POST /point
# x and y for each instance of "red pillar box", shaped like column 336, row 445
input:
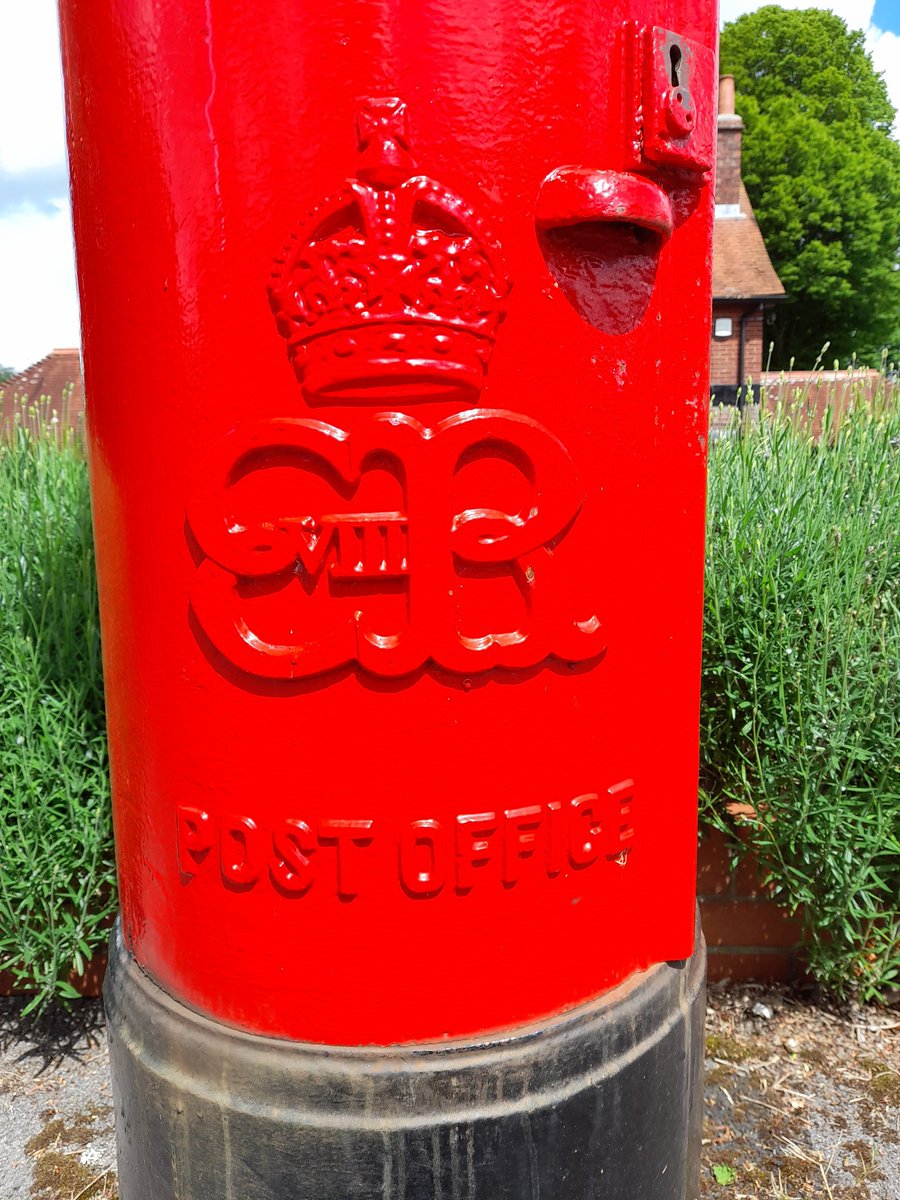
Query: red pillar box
column 396, row 336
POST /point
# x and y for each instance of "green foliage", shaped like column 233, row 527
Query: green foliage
column 801, row 676
column 823, row 174
column 56, row 862
column 800, row 684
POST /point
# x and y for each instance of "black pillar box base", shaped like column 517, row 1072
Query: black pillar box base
column 602, row 1103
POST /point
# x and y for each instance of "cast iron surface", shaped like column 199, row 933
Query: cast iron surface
column 400, row 537
column 603, row 1102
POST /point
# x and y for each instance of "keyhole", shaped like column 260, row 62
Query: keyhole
column 675, row 59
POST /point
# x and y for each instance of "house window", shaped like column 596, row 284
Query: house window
column 723, row 327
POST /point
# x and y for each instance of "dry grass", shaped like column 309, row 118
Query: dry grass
column 802, row 1105
column 60, row 1170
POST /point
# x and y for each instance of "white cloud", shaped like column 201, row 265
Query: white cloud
column 38, row 299
column 32, row 126
column 884, row 47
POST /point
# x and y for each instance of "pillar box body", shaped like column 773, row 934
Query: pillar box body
column 395, row 344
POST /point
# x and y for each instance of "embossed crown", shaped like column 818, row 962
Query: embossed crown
column 393, row 285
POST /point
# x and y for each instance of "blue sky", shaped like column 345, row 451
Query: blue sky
column 887, row 14
column 38, row 302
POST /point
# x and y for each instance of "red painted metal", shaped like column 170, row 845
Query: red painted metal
column 402, row 626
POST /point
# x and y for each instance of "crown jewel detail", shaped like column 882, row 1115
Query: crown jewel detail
column 393, row 285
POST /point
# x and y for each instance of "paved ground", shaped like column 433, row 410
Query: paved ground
column 802, row 1102
column 56, row 1138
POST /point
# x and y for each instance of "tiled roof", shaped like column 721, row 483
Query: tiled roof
column 56, row 377
column 742, row 269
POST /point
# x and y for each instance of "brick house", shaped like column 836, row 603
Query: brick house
column 744, row 280
column 54, row 383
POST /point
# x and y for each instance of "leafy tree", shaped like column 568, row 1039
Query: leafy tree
column 6, row 373
column 823, row 173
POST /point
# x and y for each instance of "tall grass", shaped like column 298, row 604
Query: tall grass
column 56, row 860
column 801, row 690
column 801, row 676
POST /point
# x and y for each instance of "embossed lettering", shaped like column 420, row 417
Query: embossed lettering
column 621, row 824
column 426, row 547
column 520, row 838
column 239, row 851
column 556, row 837
column 424, row 854
column 473, row 845
column 470, row 850
column 348, row 837
column 584, row 830
column 195, row 837
column 291, row 866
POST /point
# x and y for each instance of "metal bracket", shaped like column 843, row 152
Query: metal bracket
column 670, row 89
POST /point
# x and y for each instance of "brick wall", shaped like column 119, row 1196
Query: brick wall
column 809, row 395
column 730, row 133
column 90, row 983
column 725, row 352
column 748, row 936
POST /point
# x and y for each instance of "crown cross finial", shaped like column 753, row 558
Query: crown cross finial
column 382, row 130
column 393, row 288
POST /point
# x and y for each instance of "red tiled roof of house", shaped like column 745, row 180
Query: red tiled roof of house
column 742, row 269
column 56, row 378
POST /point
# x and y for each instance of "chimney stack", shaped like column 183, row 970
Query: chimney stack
column 729, row 138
